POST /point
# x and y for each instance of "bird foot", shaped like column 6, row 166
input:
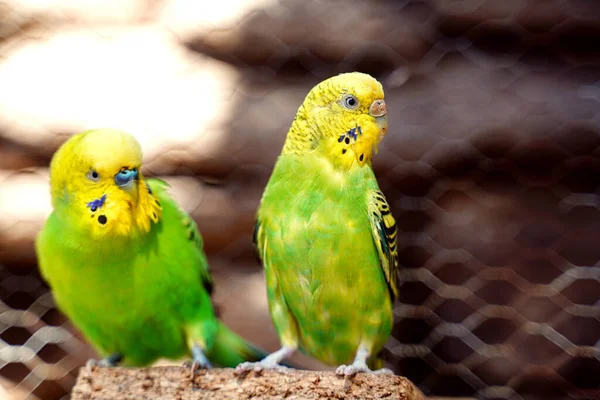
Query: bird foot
column 91, row 363
column 269, row 362
column 198, row 362
column 109, row 361
column 353, row 369
column 196, row 366
column 259, row 366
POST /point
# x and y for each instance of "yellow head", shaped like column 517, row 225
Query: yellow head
column 343, row 117
column 96, row 183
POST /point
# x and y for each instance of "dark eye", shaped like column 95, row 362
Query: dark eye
column 93, row 175
column 350, row 102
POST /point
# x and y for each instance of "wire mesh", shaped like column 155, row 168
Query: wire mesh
column 491, row 167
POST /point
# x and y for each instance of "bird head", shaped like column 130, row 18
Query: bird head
column 96, row 182
column 344, row 117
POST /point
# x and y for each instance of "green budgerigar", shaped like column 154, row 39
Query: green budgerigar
column 125, row 263
column 325, row 233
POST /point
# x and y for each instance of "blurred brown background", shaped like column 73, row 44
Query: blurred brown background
column 491, row 166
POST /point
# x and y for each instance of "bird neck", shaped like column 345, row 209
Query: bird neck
column 345, row 147
column 301, row 137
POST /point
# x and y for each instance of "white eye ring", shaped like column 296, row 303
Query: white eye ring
column 350, row 102
column 93, row 176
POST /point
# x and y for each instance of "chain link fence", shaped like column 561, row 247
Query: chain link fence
column 491, row 166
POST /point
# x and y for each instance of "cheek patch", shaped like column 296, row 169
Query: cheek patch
column 97, row 204
column 351, row 134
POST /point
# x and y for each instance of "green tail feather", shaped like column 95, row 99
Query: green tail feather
column 230, row 349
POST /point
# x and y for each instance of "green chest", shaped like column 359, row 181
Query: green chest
column 321, row 249
column 120, row 308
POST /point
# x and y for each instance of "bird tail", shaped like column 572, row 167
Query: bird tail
column 230, row 349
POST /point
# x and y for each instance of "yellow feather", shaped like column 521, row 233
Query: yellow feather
column 105, row 151
column 322, row 121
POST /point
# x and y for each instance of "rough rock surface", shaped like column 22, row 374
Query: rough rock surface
column 177, row 383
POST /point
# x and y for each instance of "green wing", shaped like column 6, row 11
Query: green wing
column 192, row 234
column 259, row 243
column 383, row 227
column 255, row 239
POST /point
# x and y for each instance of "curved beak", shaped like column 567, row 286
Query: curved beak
column 378, row 109
column 126, row 178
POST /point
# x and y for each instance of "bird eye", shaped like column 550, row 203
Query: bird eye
column 93, row 175
column 350, row 102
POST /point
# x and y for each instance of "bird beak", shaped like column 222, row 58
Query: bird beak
column 378, row 109
column 126, row 179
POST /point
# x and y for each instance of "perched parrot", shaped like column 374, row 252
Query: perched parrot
column 125, row 263
column 325, row 233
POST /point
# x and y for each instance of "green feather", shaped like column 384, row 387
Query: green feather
column 323, row 255
column 146, row 299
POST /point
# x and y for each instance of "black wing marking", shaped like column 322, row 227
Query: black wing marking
column 383, row 226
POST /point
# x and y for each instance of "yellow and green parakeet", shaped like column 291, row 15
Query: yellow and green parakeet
column 325, row 233
column 125, row 263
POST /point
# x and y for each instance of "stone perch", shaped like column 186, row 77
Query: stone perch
column 164, row 383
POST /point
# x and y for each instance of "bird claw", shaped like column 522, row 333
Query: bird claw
column 196, row 366
column 90, row 364
column 383, row 371
column 199, row 360
column 269, row 362
column 353, row 369
column 259, row 366
column 105, row 362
